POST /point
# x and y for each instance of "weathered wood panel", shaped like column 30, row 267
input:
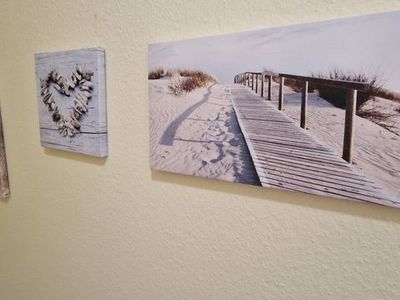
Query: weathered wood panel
column 287, row 157
column 80, row 143
column 92, row 140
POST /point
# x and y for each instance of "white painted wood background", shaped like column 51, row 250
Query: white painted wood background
column 92, row 140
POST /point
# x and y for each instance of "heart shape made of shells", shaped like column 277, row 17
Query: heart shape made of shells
column 80, row 78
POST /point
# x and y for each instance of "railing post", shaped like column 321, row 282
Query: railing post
column 351, row 100
column 262, row 85
column 256, row 83
column 269, row 87
column 281, row 85
column 304, row 98
column 252, row 81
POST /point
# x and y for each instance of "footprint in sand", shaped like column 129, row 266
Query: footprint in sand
column 234, row 142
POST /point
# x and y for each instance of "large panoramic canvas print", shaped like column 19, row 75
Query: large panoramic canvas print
column 312, row 108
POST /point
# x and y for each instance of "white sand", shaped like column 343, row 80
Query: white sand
column 376, row 150
column 197, row 134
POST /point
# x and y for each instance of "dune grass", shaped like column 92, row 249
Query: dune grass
column 156, row 74
column 388, row 94
column 186, row 81
column 182, row 80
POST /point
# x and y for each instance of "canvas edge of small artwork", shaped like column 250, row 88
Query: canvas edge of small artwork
column 4, row 180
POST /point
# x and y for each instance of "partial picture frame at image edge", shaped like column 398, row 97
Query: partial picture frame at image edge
column 311, row 108
column 4, row 182
column 71, row 97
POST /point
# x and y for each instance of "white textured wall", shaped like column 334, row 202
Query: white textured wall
column 83, row 228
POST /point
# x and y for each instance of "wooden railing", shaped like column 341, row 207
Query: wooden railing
column 251, row 80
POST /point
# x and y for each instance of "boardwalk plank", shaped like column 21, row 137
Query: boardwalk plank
column 316, row 168
column 350, row 177
column 287, row 157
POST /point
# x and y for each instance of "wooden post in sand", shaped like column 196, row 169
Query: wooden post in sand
column 252, row 81
column 269, row 87
column 256, row 83
column 281, row 85
column 304, row 98
column 351, row 100
column 262, row 85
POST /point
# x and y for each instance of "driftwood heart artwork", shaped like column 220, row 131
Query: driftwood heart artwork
column 81, row 79
column 71, row 100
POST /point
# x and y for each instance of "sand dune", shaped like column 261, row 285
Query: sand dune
column 197, row 134
column 388, row 107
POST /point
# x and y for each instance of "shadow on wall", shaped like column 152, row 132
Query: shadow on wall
column 341, row 206
column 99, row 161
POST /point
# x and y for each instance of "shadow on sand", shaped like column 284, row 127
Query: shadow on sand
column 168, row 136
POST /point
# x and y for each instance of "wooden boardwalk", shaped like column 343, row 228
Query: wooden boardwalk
column 287, row 157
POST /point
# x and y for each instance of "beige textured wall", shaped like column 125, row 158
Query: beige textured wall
column 83, row 228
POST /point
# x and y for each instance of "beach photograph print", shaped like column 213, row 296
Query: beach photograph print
column 72, row 101
column 4, row 185
column 312, row 108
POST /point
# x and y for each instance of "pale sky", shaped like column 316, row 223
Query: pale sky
column 369, row 44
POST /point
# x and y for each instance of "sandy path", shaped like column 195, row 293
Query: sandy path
column 376, row 150
column 197, row 134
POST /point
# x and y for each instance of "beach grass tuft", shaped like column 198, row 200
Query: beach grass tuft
column 157, row 73
column 186, row 81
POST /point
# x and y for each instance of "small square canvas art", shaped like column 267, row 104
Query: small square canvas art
column 4, row 186
column 311, row 108
column 72, row 100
